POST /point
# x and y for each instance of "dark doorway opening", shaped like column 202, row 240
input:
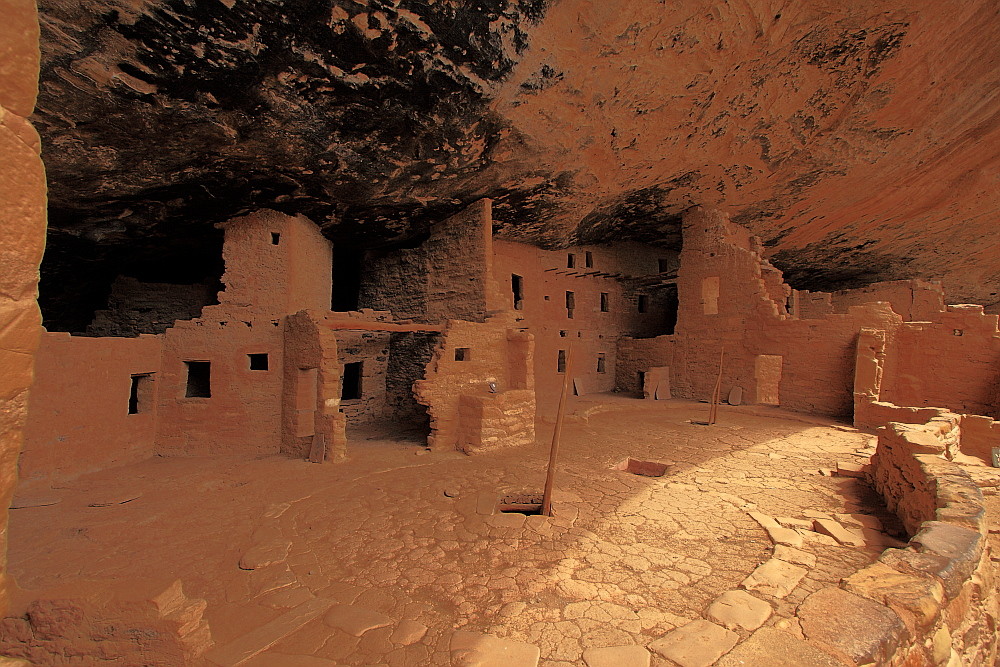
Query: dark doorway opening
column 199, row 379
column 670, row 305
column 351, row 384
column 517, row 288
column 346, row 277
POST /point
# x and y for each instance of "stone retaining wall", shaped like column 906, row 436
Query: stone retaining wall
column 933, row 602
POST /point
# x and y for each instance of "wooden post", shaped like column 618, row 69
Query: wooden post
column 556, row 434
column 713, row 411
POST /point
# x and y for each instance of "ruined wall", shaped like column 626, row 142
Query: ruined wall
column 135, row 307
column 409, row 355
column 445, row 278
column 914, row 300
column 620, row 272
column 371, row 350
column 469, row 356
column 78, row 419
column 22, row 238
column 311, row 391
column 953, row 363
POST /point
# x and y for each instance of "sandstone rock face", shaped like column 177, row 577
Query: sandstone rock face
column 827, row 128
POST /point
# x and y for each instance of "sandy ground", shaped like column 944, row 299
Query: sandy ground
column 407, row 537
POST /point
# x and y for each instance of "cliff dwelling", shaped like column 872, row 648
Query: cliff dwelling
column 533, row 333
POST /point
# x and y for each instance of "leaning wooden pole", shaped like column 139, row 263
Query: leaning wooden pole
column 713, row 412
column 550, row 476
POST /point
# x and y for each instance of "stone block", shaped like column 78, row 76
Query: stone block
column 775, row 578
column 919, row 596
column 696, row 644
column 617, row 656
column 838, row 532
column 770, row 647
column 739, row 609
column 854, row 628
column 470, row 649
column 963, row 547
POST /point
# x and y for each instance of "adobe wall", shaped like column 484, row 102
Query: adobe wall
column 135, row 307
column 79, row 420
column 22, row 239
column 276, row 265
column 494, row 352
column 409, row 355
column 953, row 362
column 310, row 402
column 915, row 300
column 616, row 270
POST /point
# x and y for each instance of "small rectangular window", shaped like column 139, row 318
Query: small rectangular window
column 570, row 304
column 140, row 393
column 570, row 261
column 462, row 354
column 517, row 290
column 561, row 362
column 258, row 362
column 663, row 265
column 600, row 362
column 275, row 238
column 562, row 333
column 351, row 383
column 605, row 300
column 199, row 379
column 588, row 259
column 642, row 303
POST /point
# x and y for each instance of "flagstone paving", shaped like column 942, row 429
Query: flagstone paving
column 396, row 559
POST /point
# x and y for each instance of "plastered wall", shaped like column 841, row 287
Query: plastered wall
column 22, row 239
column 79, row 417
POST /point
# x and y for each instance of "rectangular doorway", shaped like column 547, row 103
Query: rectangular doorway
column 351, row 383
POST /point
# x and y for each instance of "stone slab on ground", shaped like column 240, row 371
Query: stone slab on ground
column 792, row 555
column 739, row 609
column 408, row 632
column 770, row 647
column 854, row 627
column 257, row 641
column 778, row 533
column 698, row 644
column 472, row 649
column 355, row 620
column 843, row 535
column 617, row 656
column 775, row 578
column 284, row 660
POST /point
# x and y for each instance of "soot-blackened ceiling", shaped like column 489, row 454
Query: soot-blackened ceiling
column 858, row 138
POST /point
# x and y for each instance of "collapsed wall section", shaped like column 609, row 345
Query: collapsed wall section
column 136, row 307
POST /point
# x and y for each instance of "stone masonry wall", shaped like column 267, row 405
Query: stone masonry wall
column 22, row 239
column 135, row 307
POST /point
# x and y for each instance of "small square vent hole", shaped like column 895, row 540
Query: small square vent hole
column 520, row 503
column 644, row 468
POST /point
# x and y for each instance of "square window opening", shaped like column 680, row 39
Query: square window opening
column 199, row 379
column 258, row 362
column 275, row 238
column 663, row 265
column 642, row 303
column 351, row 382
column 605, row 302
column 588, row 259
column 462, row 354
column 601, row 362
column 570, row 261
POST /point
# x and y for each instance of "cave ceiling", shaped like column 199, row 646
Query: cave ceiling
column 859, row 138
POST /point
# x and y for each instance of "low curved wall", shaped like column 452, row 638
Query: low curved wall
column 933, row 602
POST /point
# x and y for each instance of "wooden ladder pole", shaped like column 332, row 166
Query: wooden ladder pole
column 713, row 411
column 550, row 476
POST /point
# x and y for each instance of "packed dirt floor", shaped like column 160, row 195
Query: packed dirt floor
column 404, row 553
